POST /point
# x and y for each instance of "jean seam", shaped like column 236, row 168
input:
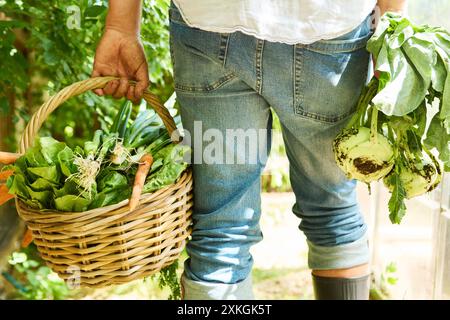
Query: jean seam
column 298, row 79
column 259, row 58
column 321, row 118
column 206, row 88
column 224, row 40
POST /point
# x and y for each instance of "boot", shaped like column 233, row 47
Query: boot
column 328, row 288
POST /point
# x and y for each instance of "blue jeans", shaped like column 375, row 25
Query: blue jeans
column 230, row 81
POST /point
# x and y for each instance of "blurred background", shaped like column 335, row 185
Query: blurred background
column 46, row 46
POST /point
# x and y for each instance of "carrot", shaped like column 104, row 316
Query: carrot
column 27, row 238
column 8, row 157
column 4, row 175
column 139, row 180
column 4, row 195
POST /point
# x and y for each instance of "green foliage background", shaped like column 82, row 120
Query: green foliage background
column 40, row 54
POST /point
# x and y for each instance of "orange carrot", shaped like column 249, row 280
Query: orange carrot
column 4, row 175
column 8, row 157
column 141, row 174
column 4, row 195
column 27, row 238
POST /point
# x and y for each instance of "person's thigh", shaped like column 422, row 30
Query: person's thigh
column 223, row 116
column 327, row 79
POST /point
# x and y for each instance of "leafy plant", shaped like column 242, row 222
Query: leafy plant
column 381, row 287
column 33, row 279
column 401, row 130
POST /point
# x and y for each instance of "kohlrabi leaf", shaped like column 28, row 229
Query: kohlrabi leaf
column 438, row 136
column 402, row 88
column 397, row 207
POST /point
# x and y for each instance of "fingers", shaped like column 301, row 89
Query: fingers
column 122, row 89
column 131, row 96
column 96, row 73
column 111, row 87
column 142, row 82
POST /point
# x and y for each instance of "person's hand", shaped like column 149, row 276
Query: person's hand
column 121, row 54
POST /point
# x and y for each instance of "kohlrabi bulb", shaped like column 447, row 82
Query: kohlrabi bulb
column 362, row 158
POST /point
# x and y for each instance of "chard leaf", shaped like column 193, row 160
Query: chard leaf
column 70, row 187
column 111, row 196
column 72, row 203
column 65, row 160
column 43, row 197
column 50, row 148
column 42, row 185
column 173, row 167
column 17, row 185
column 49, row 173
column 397, row 207
column 35, row 158
column 112, row 180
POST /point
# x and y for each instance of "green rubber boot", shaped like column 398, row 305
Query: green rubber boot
column 327, row 288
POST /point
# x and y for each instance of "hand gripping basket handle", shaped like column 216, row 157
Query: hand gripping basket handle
column 75, row 89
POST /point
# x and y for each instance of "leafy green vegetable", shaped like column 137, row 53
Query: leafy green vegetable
column 71, row 203
column 397, row 207
column 172, row 167
column 412, row 94
column 53, row 176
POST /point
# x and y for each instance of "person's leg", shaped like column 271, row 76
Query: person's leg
column 217, row 107
column 328, row 77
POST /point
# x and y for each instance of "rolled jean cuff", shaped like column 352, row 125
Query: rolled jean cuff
column 199, row 290
column 339, row 257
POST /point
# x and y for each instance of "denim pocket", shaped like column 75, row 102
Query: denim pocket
column 330, row 74
column 198, row 56
column 349, row 42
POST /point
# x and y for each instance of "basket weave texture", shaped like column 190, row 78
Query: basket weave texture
column 110, row 245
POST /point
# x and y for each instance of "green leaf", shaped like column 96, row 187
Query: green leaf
column 72, row 203
column 91, row 147
column 111, row 196
column 397, row 207
column 70, row 187
column 43, row 197
column 17, row 186
column 50, row 148
column 438, row 136
column 94, row 11
column 65, row 160
column 49, row 173
column 173, row 167
column 35, row 158
column 402, row 88
column 112, row 180
column 42, row 184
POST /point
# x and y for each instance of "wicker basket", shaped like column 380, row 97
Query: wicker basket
column 110, row 245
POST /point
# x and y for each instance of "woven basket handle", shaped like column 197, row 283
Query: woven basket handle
column 75, row 89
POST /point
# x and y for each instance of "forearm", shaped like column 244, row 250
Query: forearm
column 391, row 5
column 124, row 16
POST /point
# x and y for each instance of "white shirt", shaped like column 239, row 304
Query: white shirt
column 286, row 21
